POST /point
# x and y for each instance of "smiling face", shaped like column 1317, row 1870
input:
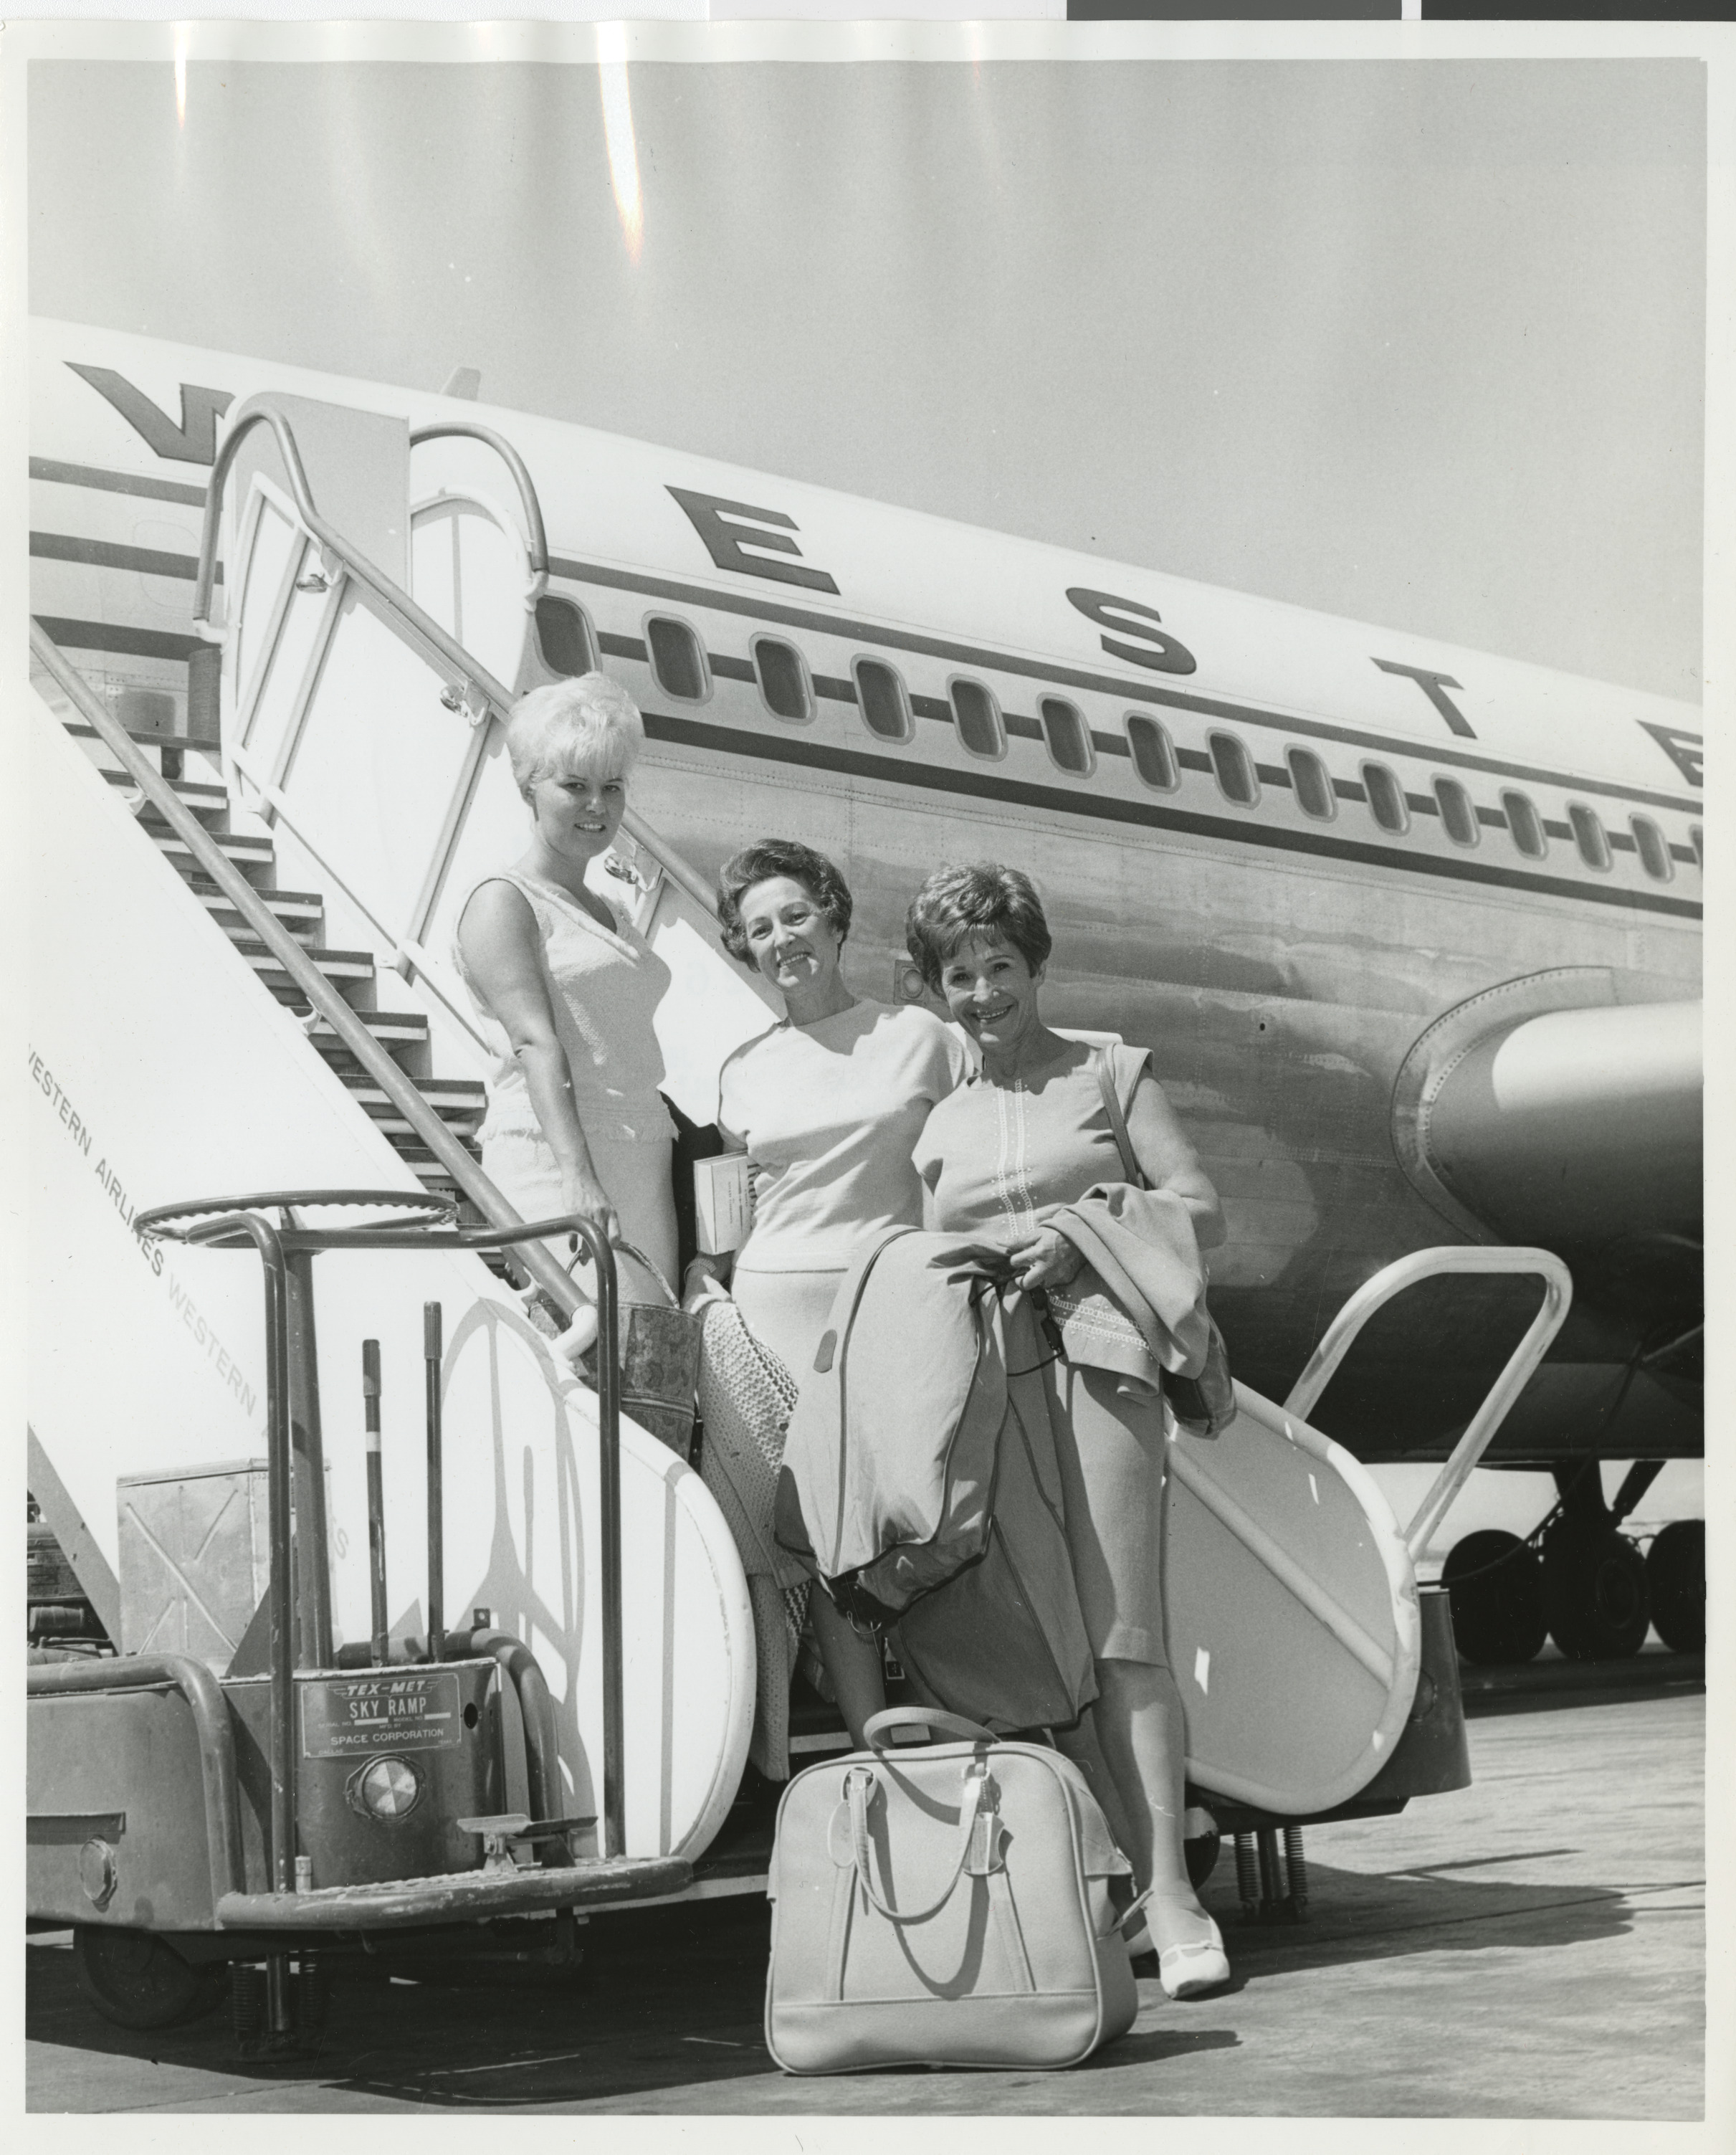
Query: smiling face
column 789, row 940
column 992, row 992
column 577, row 814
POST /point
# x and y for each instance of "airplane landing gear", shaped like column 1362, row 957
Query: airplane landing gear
column 1675, row 1573
column 1595, row 1598
column 1494, row 1582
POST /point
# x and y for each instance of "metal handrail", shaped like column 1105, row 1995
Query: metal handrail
column 205, row 1700
column 536, row 538
column 1437, row 1263
column 482, row 693
column 550, row 1277
column 259, row 412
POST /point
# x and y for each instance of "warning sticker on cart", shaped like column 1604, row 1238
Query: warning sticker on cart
column 344, row 1715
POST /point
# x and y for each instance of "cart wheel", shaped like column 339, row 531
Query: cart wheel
column 139, row 1981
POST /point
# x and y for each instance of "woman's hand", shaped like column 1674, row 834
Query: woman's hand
column 581, row 1192
column 1045, row 1259
column 703, row 1282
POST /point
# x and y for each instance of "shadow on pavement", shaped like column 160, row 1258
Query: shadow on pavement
column 1356, row 1916
column 673, row 2000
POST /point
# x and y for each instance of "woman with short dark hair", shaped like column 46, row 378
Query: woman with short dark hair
column 1029, row 1135
column 827, row 1104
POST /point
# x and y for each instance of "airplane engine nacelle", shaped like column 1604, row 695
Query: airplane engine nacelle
column 1578, row 1129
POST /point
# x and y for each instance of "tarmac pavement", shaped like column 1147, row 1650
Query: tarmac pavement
column 1532, row 1946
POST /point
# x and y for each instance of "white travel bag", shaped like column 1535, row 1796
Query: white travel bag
column 944, row 1904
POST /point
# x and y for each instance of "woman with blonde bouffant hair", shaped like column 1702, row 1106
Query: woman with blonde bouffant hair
column 566, row 989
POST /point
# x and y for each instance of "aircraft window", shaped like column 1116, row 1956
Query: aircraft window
column 1589, row 836
column 885, row 706
column 1525, row 825
column 1153, row 752
column 1233, row 767
column 563, row 634
column 1697, row 838
column 1068, row 735
column 1314, row 788
column 1458, row 818
column 676, row 659
column 1654, row 853
column 783, row 679
column 978, row 719
column 1386, row 798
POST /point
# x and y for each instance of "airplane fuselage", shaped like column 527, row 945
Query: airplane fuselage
column 1275, row 849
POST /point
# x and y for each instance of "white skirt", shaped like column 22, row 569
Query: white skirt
column 637, row 1177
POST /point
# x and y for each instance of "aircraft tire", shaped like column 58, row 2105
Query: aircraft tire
column 1675, row 1573
column 1495, row 1585
column 136, row 1980
column 1595, row 1593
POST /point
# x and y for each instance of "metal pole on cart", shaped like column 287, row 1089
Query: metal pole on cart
column 280, row 1501
column 431, row 1353
column 608, row 1359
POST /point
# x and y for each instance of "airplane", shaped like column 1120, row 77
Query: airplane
column 1412, row 932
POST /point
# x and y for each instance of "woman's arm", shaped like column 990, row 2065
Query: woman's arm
column 1170, row 1162
column 503, row 951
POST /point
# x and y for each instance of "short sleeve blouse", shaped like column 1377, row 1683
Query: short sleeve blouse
column 992, row 1157
column 829, row 1114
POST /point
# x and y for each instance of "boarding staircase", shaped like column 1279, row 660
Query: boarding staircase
column 267, row 789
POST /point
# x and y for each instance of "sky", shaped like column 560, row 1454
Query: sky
column 1420, row 344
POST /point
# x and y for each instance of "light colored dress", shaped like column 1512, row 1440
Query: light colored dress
column 604, row 989
column 829, row 1113
column 996, row 1160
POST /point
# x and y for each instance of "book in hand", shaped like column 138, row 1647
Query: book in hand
column 722, row 1202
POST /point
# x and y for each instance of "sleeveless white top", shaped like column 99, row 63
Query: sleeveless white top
column 604, row 988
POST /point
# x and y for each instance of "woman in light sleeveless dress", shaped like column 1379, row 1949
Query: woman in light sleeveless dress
column 566, row 990
column 827, row 1105
column 1029, row 1134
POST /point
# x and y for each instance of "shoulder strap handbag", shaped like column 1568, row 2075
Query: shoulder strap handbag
column 1205, row 1406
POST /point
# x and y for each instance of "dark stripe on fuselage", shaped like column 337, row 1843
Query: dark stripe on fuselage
column 101, row 553
column 1151, row 815
column 1132, row 692
column 130, row 643
column 114, row 482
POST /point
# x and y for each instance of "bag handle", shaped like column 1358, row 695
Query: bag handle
column 929, row 1716
column 858, row 1784
column 639, row 1257
column 1103, row 1058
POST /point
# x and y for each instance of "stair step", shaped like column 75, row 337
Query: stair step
column 207, row 802
column 301, row 911
column 146, row 736
column 339, row 966
column 392, row 1029
column 254, row 857
column 428, row 1170
column 460, row 1101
